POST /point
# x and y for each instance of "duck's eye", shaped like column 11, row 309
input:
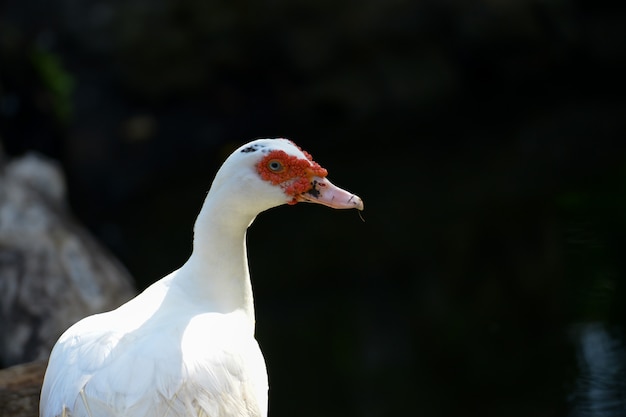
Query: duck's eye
column 275, row 165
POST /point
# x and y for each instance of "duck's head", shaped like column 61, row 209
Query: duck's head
column 271, row 172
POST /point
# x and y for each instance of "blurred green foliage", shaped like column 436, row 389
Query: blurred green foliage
column 56, row 80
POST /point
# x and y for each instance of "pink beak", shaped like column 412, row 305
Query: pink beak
column 326, row 193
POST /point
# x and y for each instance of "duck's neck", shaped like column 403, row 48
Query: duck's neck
column 216, row 273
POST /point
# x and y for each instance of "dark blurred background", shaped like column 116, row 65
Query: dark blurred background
column 486, row 139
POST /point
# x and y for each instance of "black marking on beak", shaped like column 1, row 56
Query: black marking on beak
column 314, row 191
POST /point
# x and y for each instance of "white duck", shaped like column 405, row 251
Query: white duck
column 186, row 346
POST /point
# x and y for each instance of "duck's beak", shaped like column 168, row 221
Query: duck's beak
column 326, row 193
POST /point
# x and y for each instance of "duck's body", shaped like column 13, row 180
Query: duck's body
column 173, row 359
column 186, row 346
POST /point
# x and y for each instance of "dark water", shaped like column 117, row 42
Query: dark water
column 600, row 387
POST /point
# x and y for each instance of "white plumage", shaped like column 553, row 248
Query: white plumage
column 185, row 346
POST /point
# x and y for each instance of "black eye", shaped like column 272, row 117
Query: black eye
column 275, row 165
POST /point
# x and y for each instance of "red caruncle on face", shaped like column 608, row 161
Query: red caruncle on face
column 292, row 173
